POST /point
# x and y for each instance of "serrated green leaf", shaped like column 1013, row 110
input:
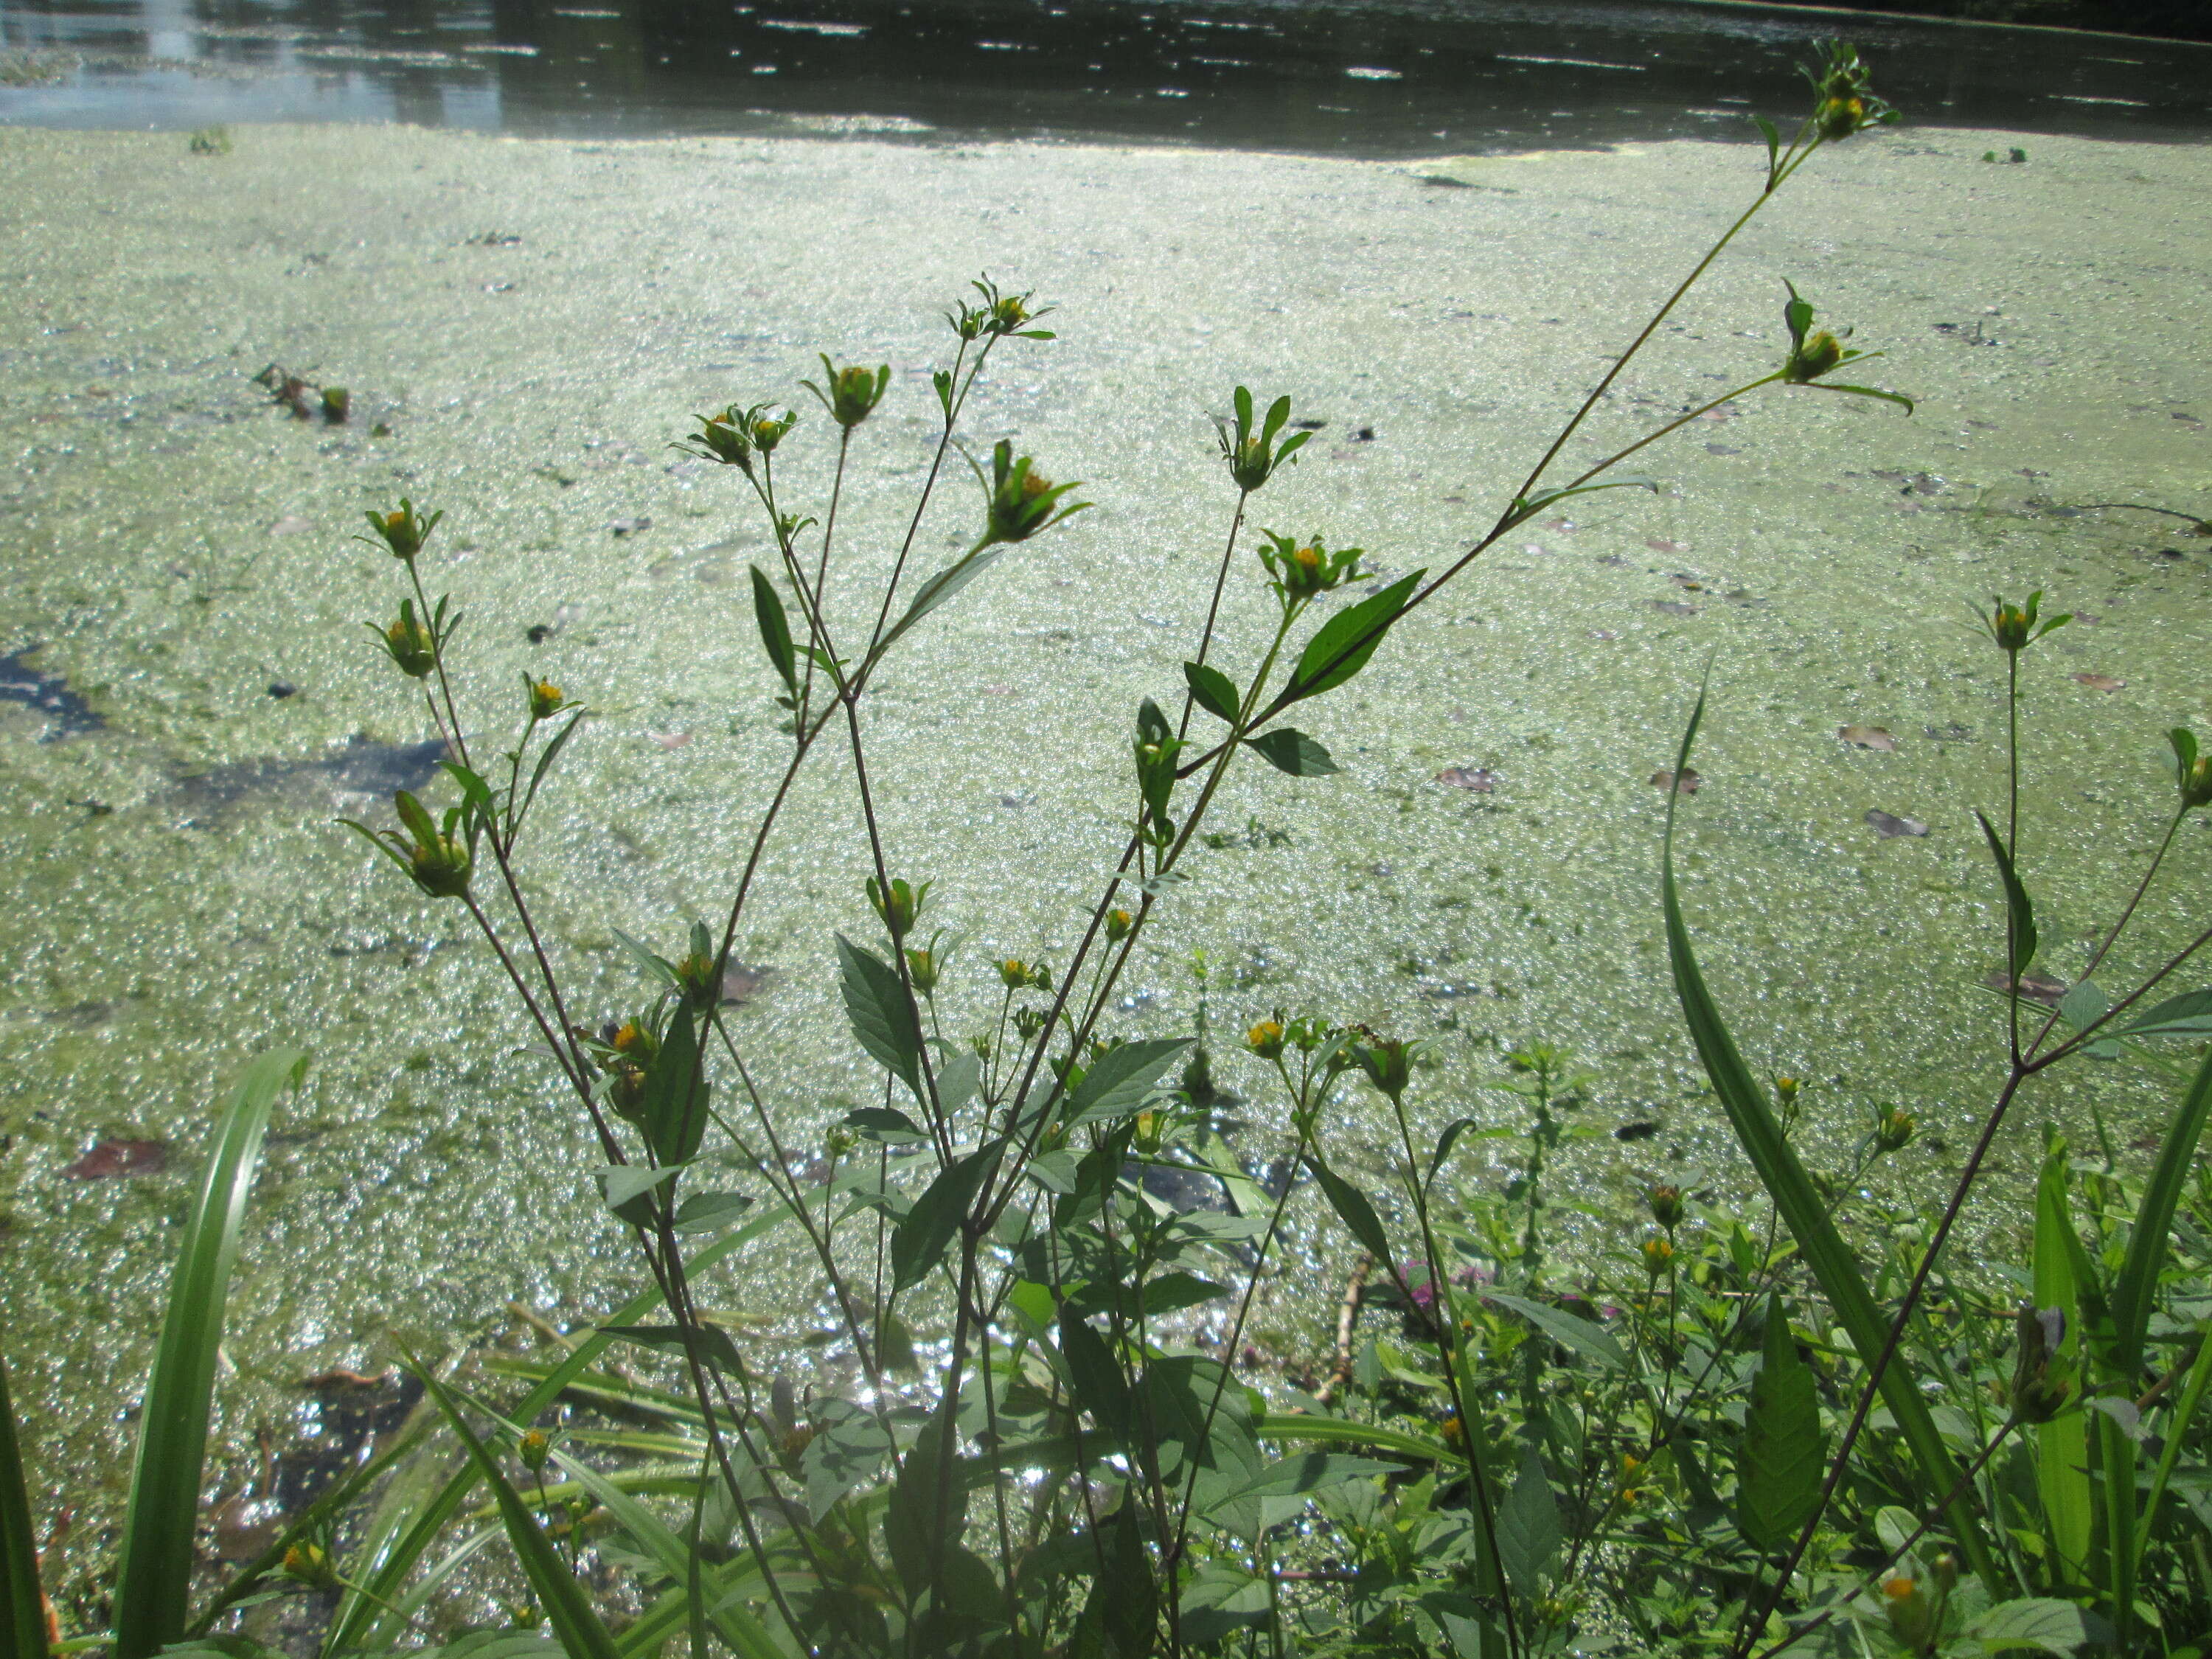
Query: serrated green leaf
column 942, row 586
column 1586, row 1337
column 2187, row 1015
column 2084, row 1004
column 881, row 1012
column 1778, row 1477
column 709, row 1213
column 1314, row 1472
column 1529, row 1535
column 2036, row 1624
column 1121, row 1616
column 1121, row 1080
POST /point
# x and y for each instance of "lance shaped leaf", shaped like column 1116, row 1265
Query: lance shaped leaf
column 1341, row 645
column 775, row 631
column 920, row 1240
column 2018, row 907
column 1289, row 750
column 1212, row 691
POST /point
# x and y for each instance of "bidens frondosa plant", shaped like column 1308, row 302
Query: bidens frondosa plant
column 1022, row 1439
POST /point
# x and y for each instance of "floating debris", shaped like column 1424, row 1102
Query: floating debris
column 628, row 526
column 1661, row 544
column 1692, row 780
column 112, row 1159
column 1876, row 738
column 2100, row 682
column 1888, row 824
column 1480, row 779
column 741, row 984
column 2030, row 988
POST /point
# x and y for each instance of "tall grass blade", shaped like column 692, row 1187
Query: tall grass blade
column 2061, row 1446
column 2177, row 1433
column 745, row 1635
column 154, row 1583
column 24, row 1629
column 2134, row 1291
column 568, row 1609
column 399, row 1541
column 315, row 1518
column 1834, row 1269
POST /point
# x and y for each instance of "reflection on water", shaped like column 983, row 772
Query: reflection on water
column 1359, row 77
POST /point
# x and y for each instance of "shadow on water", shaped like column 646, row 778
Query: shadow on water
column 1370, row 77
column 363, row 767
column 48, row 696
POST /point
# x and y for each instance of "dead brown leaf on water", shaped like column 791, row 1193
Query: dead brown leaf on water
column 2032, row 986
column 1480, row 779
column 1690, row 779
column 1888, row 824
column 1868, row 736
column 2100, row 682
column 112, row 1159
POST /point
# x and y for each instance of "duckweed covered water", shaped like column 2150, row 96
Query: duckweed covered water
column 535, row 321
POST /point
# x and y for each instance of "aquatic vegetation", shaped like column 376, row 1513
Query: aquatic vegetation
column 1038, row 1426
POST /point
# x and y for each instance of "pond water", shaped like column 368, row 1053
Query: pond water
column 186, row 699
column 1391, row 78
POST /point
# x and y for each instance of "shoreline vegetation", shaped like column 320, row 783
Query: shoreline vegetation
column 1796, row 1427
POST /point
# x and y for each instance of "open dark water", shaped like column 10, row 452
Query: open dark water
column 1368, row 78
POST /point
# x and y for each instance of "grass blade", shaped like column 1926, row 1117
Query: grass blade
column 2061, row 1446
column 568, row 1609
column 1834, row 1267
column 317, row 1516
column 154, row 1583
column 400, row 1543
column 2177, row 1432
column 2135, row 1290
column 26, row 1624
column 745, row 1634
